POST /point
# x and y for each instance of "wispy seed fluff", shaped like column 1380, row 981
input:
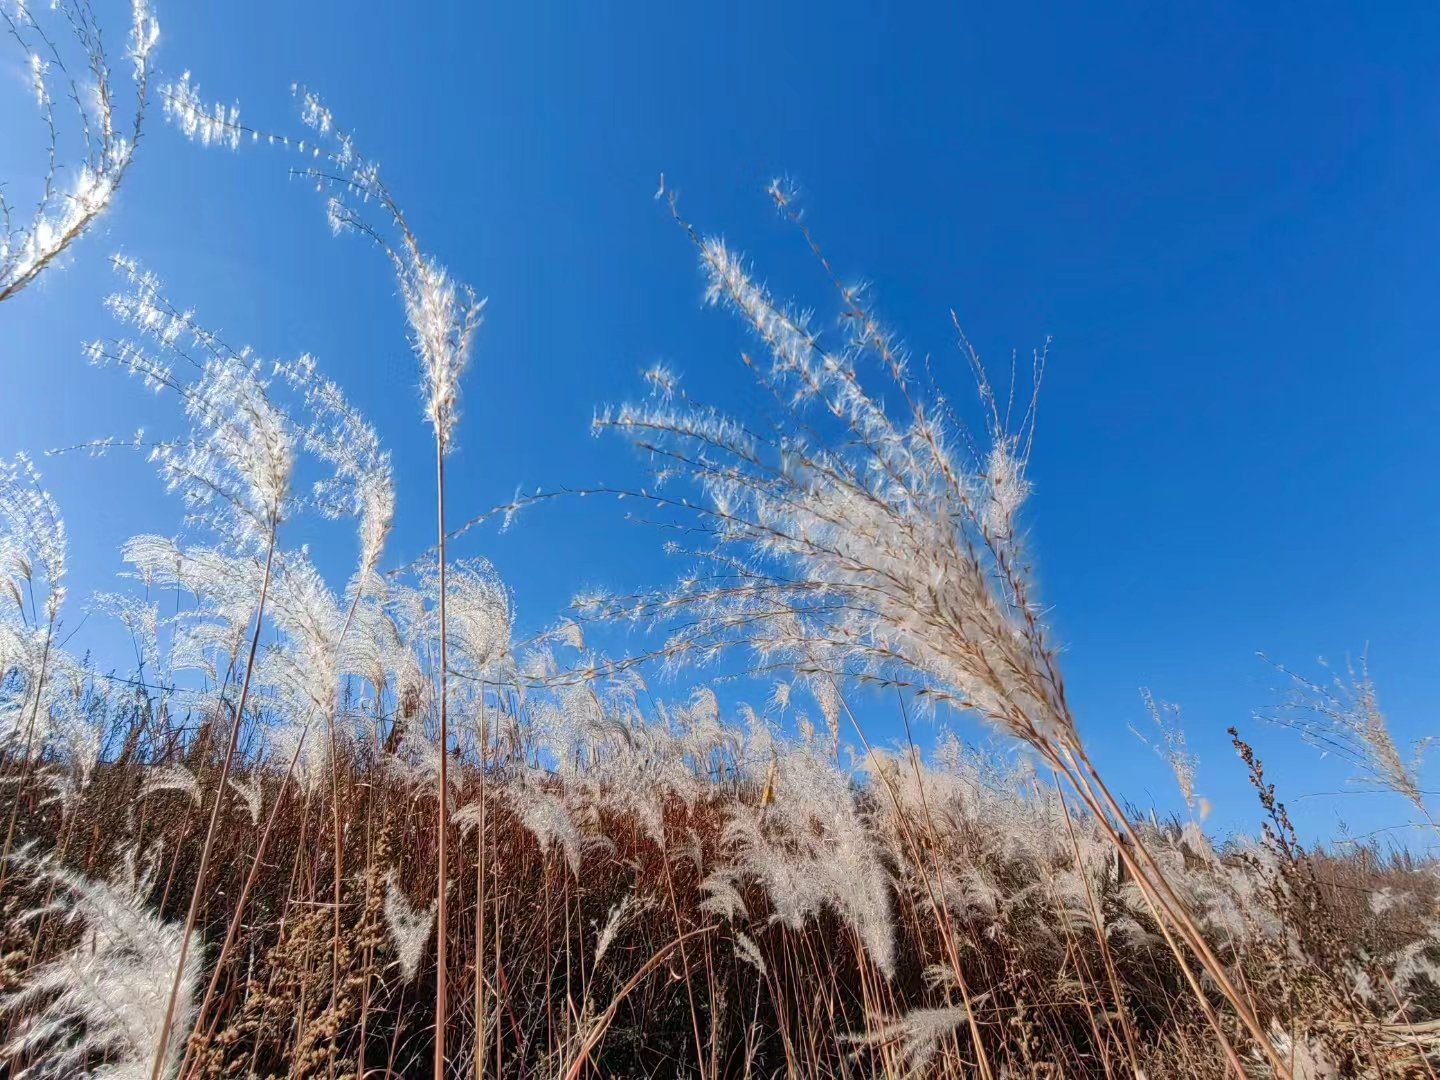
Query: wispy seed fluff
column 31, row 242
column 443, row 318
column 409, row 928
column 209, row 125
column 872, row 537
column 98, row 1009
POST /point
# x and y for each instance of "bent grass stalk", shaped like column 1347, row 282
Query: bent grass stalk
column 602, row 1022
column 1171, row 915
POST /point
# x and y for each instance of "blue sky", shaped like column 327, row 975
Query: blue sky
column 1225, row 215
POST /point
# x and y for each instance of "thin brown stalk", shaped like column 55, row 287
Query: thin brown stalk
column 443, row 812
column 602, row 1022
column 1107, row 960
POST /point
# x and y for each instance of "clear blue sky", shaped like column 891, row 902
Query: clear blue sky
column 1227, row 216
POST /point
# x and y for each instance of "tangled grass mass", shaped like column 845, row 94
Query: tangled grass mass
column 364, row 829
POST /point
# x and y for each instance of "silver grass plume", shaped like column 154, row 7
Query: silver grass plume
column 174, row 777
column 811, row 848
column 867, row 526
column 409, row 928
column 620, row 913
column 97, row 1008
column 1342, row 716
column 918, row 1034
column 360, row 483
column 442, row 313
column 33, row 558
column 250, row 795
column 747, row 950
column 863, row 536
column 62, row 214
column 33, row 548
column 233, row 468
column 1172, row 747
column 543, row 814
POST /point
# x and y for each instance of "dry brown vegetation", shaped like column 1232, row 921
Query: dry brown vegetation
column 716, row 920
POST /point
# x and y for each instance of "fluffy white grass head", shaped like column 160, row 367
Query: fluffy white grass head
column 918, row 1034
column 97, row 1009
column 94, row 148
column 409, row 927
column 174, row 777
column 443, row 314
column 863, row 535
column 33, row 547
column 1339, row 713
column 208, row 124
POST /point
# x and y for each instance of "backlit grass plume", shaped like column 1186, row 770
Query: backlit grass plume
column 865, row 533
column 99, row 1007
column 90, row 138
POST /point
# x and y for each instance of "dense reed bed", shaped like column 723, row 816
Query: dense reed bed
column 670, row 893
